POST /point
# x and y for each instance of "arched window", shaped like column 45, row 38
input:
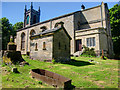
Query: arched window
column 56, row 25
column 27, row 20
column 59, row 24
column 43, row 28
column 34, row 19
column 23, row 41
column 32, row 32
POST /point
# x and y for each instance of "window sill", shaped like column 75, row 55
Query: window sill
column 22, row 49
column 90, row 46
column 36, row 49
column 44, row 49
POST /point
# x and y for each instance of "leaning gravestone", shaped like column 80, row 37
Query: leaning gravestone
column 11, row 55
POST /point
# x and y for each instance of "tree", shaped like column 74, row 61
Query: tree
column 7, row 30
column 115, row 28
column 17, row 26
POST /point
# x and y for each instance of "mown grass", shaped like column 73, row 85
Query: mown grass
column 84, row 74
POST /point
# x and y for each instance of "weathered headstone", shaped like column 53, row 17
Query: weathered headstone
column 11, row 55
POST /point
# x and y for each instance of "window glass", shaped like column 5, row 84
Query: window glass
column 32, row 32
column 87, row 41
column 44, row 46
column 36, row 47
column 91, row 41
column 27, row 19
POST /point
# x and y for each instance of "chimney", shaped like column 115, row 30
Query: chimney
column 82, row 7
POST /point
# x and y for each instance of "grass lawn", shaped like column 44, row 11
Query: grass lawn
column 84, row 74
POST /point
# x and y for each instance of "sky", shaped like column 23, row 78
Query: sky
column 14, row 11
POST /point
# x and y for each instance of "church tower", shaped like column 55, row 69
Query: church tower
column 31, row 16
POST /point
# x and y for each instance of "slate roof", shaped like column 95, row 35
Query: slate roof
column 51, row 31
column 47, row 31
column 55, row 18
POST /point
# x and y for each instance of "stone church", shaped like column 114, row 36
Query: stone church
column 89, row 27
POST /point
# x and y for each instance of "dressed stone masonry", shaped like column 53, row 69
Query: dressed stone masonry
column 51, row 44
column 89, row 27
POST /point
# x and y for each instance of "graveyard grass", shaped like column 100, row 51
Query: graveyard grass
column 84, row 74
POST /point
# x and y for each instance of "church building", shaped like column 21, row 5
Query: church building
column 89, row 27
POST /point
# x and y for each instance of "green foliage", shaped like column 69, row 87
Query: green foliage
column 7, row 30
column 44, row 60
column 115, row 27
column 103, row 57
column 88, row 52
column 53, row 61
column 40, row 82
column 17, row 26
column 6, row 60
column 11, row 40
column 83, row 76
column 3, row 64
column 86, row 55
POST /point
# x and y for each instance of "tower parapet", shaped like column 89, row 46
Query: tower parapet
column 31, row 16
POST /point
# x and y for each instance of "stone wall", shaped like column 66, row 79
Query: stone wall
column 41, row 53
column 18, row 41
column 90, row 22
column 88, row 33
column 68, row 24
column 89, row 19
column 61, row 46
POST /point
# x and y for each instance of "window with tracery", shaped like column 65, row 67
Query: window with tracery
column 22, row 41
column 32, row 32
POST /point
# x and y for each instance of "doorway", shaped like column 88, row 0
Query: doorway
column 79, row 45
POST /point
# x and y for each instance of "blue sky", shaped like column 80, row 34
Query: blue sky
column 14, row 11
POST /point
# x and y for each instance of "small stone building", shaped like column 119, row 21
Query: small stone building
column 51, row 44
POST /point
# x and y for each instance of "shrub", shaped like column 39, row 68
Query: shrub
column 53, row 61
column 44, row 60
column 103, row 57
column 6, row 60
column 88, row 52
column 40, row 82
column 3, row 64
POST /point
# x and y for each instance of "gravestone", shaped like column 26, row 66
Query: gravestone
column 11, row 55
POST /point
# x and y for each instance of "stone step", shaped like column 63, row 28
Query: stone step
column 78, row 53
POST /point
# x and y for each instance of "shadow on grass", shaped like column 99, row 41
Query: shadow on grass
column 78, row 63
column 71, row 87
